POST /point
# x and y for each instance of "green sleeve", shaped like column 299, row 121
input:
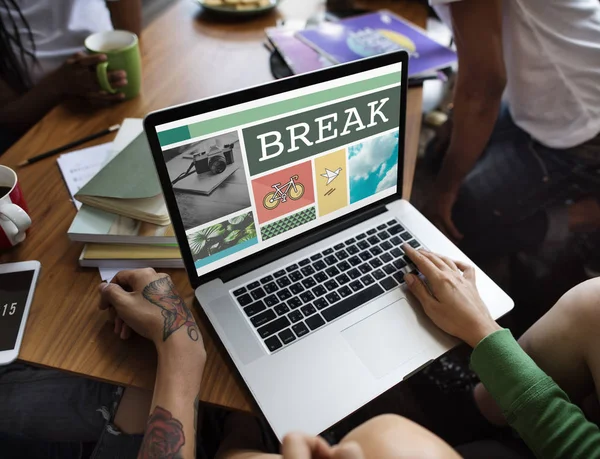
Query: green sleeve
column 532, row 402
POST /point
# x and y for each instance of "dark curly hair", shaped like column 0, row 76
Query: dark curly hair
column 13, row 53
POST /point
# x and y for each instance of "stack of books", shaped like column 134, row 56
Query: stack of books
column 357, row 37
column 123, row 219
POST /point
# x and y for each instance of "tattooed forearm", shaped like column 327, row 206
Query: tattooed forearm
column 161, row 293
column 163, row 438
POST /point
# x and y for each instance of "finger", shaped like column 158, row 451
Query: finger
column 418, row 288
column 103, row 303
column 294, row 446
column 88, row 60
column 116, row 75
column 449, row 262
column 423, row 264
column 75, row 57
column 118, row 325
column 105, row 96
column 321, row 449
column 452, row 229
column 442, row 262
column 435, row 259
column 128, row 277
column 125, row 331
column 114, row 295
column 112, row 314
column 349, row 450
column 119, row 83
column 301, row 446
column 467, row 269
column 117, row 79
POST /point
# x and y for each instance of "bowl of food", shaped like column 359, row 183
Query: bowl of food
column 238, row 7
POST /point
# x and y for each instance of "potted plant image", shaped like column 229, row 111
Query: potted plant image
column 221, row 236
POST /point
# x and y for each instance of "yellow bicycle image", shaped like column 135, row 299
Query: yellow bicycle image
column 291, row 189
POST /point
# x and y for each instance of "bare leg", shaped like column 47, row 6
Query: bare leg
column 394, row 437
column 564, row 343
column 383, row 437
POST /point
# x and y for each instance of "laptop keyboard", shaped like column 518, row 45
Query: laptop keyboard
column 304, row 296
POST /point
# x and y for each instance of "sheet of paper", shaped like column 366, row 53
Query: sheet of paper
column 78, row 167
column 107, row 274
column 130, row 129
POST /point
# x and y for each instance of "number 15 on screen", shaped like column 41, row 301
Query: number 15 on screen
column 9, row 310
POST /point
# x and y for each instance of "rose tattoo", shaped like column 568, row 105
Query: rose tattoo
column 163, row 438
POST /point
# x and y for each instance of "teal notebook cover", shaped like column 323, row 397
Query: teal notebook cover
column 129, row 175
column 92, row 221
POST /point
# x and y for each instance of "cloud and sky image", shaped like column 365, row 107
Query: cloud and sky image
column 373, row 166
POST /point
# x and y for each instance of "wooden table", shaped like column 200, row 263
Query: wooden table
column 186, row 55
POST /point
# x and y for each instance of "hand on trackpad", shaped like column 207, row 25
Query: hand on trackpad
column 388, row 338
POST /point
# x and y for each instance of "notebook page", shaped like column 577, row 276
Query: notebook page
column 78, row 167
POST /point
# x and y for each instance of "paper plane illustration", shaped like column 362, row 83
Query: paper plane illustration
column 331, row 175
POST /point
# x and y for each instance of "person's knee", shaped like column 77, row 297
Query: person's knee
column 574, row 320
column 584, row 300
column 579, row 309
column 392, row 436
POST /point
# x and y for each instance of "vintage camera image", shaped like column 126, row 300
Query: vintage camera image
column 208, row 179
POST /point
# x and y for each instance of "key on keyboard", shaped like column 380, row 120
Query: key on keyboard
column 287, row 336
column 273, row 327
column 315, row 322
column 351, row 302
column 295, row 276
column 255, row 308
column 300, row 329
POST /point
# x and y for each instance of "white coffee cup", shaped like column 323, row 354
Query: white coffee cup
column 14, row 220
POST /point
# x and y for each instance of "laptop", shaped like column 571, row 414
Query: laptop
column 286, row 203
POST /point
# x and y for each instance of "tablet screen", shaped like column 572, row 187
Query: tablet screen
column 14, row 290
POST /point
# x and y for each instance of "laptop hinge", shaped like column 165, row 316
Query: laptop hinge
column 291, row 246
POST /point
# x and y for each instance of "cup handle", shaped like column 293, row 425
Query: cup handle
column 102, row 74
column 17, row 219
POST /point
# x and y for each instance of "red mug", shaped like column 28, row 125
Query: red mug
column 14, row 220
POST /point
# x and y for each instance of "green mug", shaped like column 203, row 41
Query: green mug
column 122, row 50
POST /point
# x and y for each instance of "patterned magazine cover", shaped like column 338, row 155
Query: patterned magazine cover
column 378, row 33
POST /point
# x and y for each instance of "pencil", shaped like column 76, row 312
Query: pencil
column 68, row 146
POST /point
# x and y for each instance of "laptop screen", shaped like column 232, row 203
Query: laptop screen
column 253, row 175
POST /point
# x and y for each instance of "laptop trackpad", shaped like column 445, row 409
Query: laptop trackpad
column 387, row 339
